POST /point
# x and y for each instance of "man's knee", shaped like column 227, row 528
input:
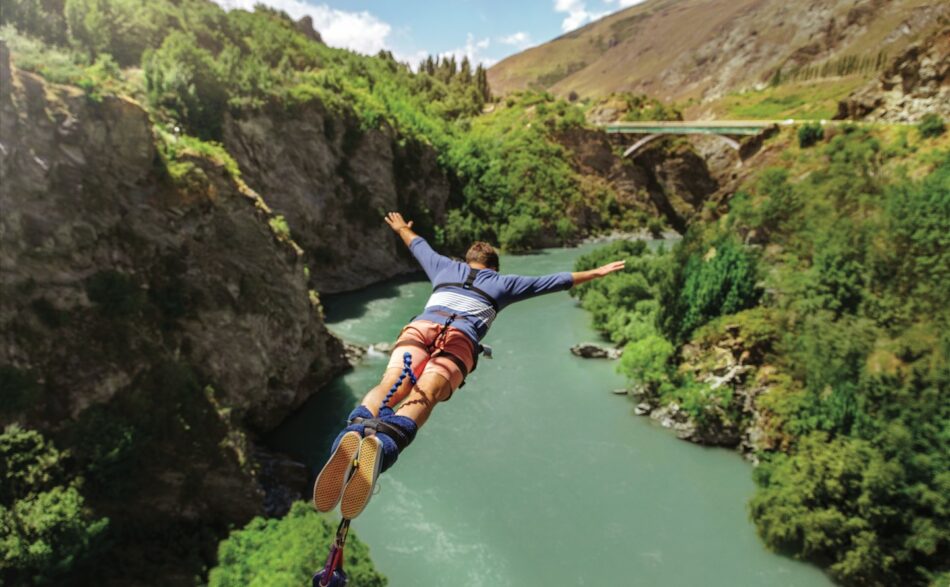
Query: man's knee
column 438, row 387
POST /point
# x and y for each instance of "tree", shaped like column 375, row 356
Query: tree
column 287, row 552
column 183, row 79
column 45, row 526
column 809, row 134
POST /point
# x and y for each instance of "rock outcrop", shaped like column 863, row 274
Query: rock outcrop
column 149, row 320
column 333, row 182
column 725, row 362
column 917, row 82
column 672, row 178
column 589, row 350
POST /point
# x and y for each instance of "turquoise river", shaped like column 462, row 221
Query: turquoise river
column 535, row 473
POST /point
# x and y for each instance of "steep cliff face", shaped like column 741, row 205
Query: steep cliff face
column 917, row 82
column 146, row 320
column 333, row 182
column 672, row 178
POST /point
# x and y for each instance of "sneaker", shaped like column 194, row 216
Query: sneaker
column 359, row 488
column 330, row 482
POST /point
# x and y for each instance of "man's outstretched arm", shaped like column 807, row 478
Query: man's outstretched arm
column 431, row 261
column 521, row 287
column 580, row 277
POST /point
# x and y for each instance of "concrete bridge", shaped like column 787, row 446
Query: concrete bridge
column 725, row 129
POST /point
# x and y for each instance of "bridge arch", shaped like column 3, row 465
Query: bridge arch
column 637, row 146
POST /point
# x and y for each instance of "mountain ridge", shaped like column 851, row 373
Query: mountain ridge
column 718, row 46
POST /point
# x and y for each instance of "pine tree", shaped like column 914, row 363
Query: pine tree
column 465, row 71
column 481, row 82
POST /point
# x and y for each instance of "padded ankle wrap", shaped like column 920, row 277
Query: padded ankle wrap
column 395, row 427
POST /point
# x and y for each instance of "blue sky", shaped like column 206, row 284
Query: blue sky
column 484, row 30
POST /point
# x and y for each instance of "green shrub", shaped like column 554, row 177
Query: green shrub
column 646, row 360
column 809, row 134
column 520, row 234
column 183, row 79
column 930, row 126
column 287, row 551
column 45, row 526
column 278, row 224
column 719, row 280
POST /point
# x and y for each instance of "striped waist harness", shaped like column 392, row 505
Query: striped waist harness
column 481, row 306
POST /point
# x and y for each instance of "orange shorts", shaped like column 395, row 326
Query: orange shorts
column 422, row 333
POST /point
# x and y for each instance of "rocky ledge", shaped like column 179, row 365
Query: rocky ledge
column 590, row 350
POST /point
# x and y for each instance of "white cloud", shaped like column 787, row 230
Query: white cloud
column 577, row 13
column 624, row 3
column 519, row 39
column 472, row 50
column 359, row 31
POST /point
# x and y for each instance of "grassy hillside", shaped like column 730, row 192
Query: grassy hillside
column 677, row 50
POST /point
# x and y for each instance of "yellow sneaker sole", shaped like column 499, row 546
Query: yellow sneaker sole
column 359, row 489
column 332, row 478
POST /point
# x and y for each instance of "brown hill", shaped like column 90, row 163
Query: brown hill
column 702, row 49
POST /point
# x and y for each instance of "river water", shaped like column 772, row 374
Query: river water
column 535, row 473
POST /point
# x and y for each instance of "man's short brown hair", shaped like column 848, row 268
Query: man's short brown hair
column 484, row 253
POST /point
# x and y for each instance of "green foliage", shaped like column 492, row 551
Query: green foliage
column 43, row 18
column 516, row 176
column 184, row 79
column 708, row 281
column 45, row 527
column 859, row 277
column 642, row 107
column 287, row 552
column 930, row 126
column 515, row 182
column 646, row 360
column 624, row 304
column 809, row 134
column 520, row 233
column 279, row 225
column 853, row 334
column 851, row 506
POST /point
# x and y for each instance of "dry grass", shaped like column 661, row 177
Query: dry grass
column 676, row 50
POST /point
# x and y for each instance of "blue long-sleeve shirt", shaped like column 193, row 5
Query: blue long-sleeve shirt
column 475, row 314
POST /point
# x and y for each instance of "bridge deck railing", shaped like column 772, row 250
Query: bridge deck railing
column 724, row 127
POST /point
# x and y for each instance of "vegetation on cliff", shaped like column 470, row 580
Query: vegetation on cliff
column 288, row 551
column 46, row 529
column 833, row 266
column 193, row 63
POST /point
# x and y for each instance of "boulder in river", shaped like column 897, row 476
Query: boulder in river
column 381, row 347
column 354, row 352
column 589, row 350
column 643, row 409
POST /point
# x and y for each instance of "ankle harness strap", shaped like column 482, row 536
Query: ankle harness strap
column 374, row 425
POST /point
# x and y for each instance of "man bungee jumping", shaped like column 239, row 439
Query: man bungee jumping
column 437, row 350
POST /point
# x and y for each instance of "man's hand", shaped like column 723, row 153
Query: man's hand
column 584, row 276
column 610, row 268
column 396, row 222
column 400, row 227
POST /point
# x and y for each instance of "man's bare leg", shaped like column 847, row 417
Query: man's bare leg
column 374, row 398
column 431, row 389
